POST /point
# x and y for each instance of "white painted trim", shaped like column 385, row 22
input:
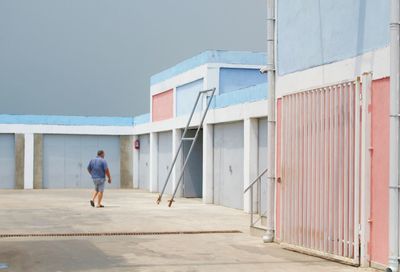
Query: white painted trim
column 376, row 61
column 28, row 161
column 229, row 114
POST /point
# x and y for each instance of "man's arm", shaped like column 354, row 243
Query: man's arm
column 108, row 175
column 89, row 167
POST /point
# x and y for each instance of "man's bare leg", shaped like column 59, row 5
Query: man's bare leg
column 95, row 193
column 99, row 198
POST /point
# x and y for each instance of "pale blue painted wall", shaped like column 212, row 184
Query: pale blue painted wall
column 65, row 120
column 141, row 119
column 186, row 96
column 231, row 79
column 245, row 95
column 316, row 32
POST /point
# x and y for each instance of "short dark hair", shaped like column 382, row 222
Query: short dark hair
column 100, row 152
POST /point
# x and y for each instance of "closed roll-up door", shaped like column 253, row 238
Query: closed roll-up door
column 262, row 164
column 7, row 161
column 228, row 165
column 193, row 175
column 144, row 156
column 164, row 160
column 65, row 160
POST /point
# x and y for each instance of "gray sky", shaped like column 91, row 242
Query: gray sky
column 95, row 57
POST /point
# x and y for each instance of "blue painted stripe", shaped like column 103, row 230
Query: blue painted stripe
column 215, row 56
column 250, row 94
column 65, row 120
column 141, row 119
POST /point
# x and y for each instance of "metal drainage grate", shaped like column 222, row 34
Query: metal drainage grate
column 27, row 235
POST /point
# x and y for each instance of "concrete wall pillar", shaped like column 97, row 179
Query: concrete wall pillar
column 153, row 162
column 208, row 163
column 28, row 161
column 38, row 161
column 135, row 165
column 126, row 161
column 250, row 151
column 176, row 138
column 19, row 160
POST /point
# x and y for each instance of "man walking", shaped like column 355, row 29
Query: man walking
column 98, row 169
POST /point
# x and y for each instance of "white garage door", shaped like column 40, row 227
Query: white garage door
column 193, row 174
column 65, row 159
column 262, row 164
column 144, row 157
column 164, row 160
column 7, row 161
column 228, row 165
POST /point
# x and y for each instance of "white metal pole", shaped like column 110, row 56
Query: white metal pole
column 394, row 138
column 270, row 232
column 357, row 170
column 365, row 169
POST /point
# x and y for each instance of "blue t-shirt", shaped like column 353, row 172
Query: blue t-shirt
column 97, row 167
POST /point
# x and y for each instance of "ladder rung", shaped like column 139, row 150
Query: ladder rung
column 187, row 139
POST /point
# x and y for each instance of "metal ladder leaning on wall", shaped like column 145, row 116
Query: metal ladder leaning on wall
column 184, row 138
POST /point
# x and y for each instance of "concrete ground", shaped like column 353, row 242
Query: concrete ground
column 68, row 211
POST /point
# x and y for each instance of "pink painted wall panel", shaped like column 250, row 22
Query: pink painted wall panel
column 278, row 166
column 380, row 171
column 162, row 106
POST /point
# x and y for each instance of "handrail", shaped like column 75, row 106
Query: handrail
column 251, row 195
column 255, row 180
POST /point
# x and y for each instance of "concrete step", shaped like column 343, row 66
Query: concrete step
column 257, row 231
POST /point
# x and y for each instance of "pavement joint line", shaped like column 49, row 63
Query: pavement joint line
column 88, row 234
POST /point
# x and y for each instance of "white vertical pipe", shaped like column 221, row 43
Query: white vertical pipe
column 301, row 169
column 331, row 169
column 321, row 168
column 309, row 173
column 394, row 137
column 284, row 169
column 357, row 170
column 270, row 232
column 290, row 179
column 340, row 177
column 346, row 171
column 326, row 169
column 336, row 170
column 351, row 171
column 295, row 168
column 365, row 169
column 312, row 177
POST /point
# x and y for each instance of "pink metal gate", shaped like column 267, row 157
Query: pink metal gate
column 320, row 176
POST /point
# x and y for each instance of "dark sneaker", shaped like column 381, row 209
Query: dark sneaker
column 92, row 203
